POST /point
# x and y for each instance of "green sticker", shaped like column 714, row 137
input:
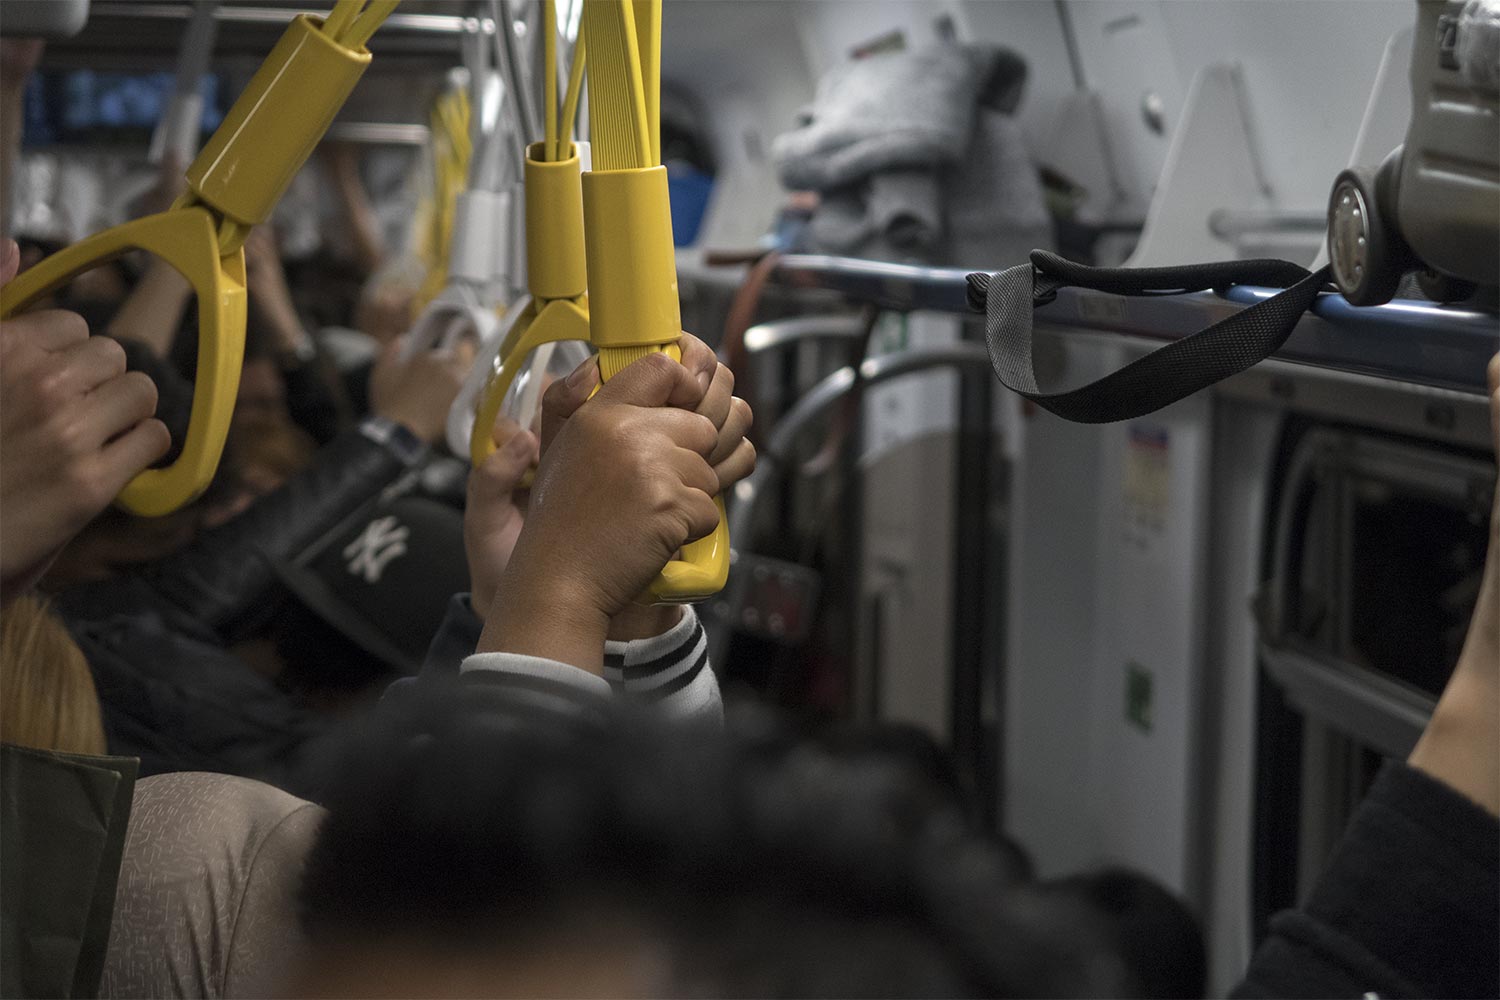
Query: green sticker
column 1138, row 695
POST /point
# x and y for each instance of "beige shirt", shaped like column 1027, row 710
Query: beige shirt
column 207, row 898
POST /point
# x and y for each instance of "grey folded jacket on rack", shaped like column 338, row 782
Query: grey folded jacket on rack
column 917, row 159
column 885, row 112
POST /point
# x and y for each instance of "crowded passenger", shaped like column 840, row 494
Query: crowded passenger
column 361, row 718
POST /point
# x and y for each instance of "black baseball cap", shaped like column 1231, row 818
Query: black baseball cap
column 383, row 578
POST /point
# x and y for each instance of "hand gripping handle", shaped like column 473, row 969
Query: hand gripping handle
column 632, row 272
column 186, row 239
column 704, row 566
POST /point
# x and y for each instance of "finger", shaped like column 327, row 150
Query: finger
column 118, row 405
column 732, row 431
column 702, row 514
column 653, row 380
column 715, row 404
column 499, row 475
column 10, row 261
column 698, row 358
column 563, row 398
column 52, row 329
column 694, row 472
column 133, row 452
column 1494, row 374
column 737, row 466
column 92, row 362
column 463, row 352
column 691, row 431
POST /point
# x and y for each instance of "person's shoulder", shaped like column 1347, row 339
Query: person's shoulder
column 206, row 902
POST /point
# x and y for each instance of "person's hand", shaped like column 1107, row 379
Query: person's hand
column 1461, row 744
column 418, row 392
column 733, row 456
column 495, row 511
column 624, row 483
column 75, row 427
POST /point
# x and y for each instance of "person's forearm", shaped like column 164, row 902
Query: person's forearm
column 221, row 579
column 152, row 312
column 534, row 620
column 1461, row 744
column 273, row 305
column 369, row 246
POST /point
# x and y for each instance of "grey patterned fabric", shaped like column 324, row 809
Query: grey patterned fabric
column 206, row 904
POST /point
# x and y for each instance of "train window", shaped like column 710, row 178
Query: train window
column 1377, row 555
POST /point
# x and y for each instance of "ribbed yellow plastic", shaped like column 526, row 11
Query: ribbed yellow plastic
column 632, row 264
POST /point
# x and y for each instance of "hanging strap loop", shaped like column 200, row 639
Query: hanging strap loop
column 1168, row 373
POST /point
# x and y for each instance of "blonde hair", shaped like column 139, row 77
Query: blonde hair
column 47, row 696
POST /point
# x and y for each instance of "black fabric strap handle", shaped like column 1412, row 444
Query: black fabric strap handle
column 1167, row 374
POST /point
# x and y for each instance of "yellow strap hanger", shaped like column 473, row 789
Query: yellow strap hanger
column 627, row 264
column 233, row 185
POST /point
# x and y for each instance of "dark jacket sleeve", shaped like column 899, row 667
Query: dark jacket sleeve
column 1409, row 905
column 226, row 572
column 312, row 401
column 455, row 639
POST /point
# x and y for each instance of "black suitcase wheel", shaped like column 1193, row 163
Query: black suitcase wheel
column 1365, row 252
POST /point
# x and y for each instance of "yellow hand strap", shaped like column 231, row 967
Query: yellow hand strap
column 632, row 264
column 233, row 185
column 631, row 307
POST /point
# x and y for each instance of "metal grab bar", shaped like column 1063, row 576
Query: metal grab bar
column 822, row 397
column 1408, row 341
column 782, row 333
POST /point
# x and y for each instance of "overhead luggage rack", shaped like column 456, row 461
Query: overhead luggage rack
column 1406, row 340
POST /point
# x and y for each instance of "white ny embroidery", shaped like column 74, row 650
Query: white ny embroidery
column 383, row 540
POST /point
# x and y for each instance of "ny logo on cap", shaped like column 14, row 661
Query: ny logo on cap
column 383, row 540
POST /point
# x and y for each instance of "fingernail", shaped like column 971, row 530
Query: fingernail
column 580, row 375
column 705, row 379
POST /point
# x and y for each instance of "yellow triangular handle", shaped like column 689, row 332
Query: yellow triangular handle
column 187, row 239
column 558, row 320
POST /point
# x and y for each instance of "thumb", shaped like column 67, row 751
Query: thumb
column 653, row 380
column 564, row 396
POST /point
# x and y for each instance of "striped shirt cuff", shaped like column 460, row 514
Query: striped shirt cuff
column 669, row 672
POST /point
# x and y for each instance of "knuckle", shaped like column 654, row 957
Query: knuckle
column 142, row 390
column 706, row 434
column 52, row 387
column 67, row 323
column 111, row 353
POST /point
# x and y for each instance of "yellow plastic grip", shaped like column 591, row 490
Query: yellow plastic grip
column 273, row 127
column 555, row 267
column 556, row 275
column 632, row 265
column 186, row 239
column 633, row 312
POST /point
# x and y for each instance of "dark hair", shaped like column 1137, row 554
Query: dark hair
column 1154, row 933
column 765, row 865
